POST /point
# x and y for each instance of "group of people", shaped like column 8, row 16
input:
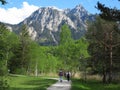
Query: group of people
column 65, row 74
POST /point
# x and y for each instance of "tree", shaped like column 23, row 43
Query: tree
column 103, row 34
column 65, row 42
column 42, row 61
column 65, row 35
column 7, row 41
column 79, row 55
column 20, row 60
column 69, row 51
column 4, row 33
column 3, row 2
column 4, row 50
column 112, row 14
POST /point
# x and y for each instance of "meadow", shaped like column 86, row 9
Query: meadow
column 78, row 84
column 29, row 83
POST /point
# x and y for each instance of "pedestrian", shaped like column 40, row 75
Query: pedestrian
column 68, row 76
column 60, row 75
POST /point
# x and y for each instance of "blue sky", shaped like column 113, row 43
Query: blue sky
column 28, row 6
column 88, row 4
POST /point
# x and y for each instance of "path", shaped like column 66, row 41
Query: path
column 64, row 85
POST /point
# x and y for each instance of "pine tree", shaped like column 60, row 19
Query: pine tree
column 20, row 61
column 111, row 14
column 103, row 33
column 3, row 2
column 4, row 32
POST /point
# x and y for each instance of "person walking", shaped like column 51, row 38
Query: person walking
column 60, row 75
column 68, row 76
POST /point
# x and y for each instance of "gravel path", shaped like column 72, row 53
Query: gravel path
column 64, row 85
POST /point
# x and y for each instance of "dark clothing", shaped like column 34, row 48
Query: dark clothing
column 68, row 76
column 60, row 73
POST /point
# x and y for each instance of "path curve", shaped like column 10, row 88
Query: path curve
column 64, row 85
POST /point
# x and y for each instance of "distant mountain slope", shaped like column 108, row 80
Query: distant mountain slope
column 45, row 23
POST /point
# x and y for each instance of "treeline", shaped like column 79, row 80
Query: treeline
column 96, row 53
column 20, row 55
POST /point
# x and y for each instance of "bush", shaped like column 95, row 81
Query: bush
column 20, row 71
column 4, row 84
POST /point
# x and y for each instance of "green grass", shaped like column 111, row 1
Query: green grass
column 78, row 84
column 29, row 83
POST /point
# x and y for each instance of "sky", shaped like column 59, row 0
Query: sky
column 16, row 11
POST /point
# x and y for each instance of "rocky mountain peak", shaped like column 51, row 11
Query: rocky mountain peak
column 45, row 23
column 79, row 7
column 49, row 18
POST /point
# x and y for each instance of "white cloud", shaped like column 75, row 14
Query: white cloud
column 15, row 15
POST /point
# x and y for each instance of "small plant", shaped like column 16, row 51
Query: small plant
column 4, row 84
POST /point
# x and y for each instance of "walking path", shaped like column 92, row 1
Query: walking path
column 64, row 85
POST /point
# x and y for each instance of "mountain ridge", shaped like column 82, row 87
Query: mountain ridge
column 44, row 24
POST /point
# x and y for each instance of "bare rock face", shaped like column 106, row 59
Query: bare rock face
column 45, row 23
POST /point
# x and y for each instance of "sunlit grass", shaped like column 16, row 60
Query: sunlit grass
column 78, row 84
column 29, row 83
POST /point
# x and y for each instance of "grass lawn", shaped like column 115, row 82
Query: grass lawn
column 29, row 83
column 78, row 84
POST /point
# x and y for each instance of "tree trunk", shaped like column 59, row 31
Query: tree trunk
column 104, row 75
column 110, row 71
column 36, row 69
column 104, row 64
column 85, row 74
column 111, row 64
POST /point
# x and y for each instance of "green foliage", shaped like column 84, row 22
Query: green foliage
column 98, row 37
column 7, row 42
column 3, row 84
column 41, row 59
column 20, row 59
column 70, row 51
column 110, row 14
column 3, row 40
column 3, row 2
column 4, row 49
column 104, row 40
column 3, row 69
column 65, row 35
column 27, row 57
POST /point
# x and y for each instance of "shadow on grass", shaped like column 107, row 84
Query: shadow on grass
column 27, row 88
column 93, row 85
column 34, row 85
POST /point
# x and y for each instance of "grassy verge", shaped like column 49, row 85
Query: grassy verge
column 78, row 84
column 29, row 83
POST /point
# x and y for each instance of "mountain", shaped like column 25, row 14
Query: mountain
column 44, row 24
